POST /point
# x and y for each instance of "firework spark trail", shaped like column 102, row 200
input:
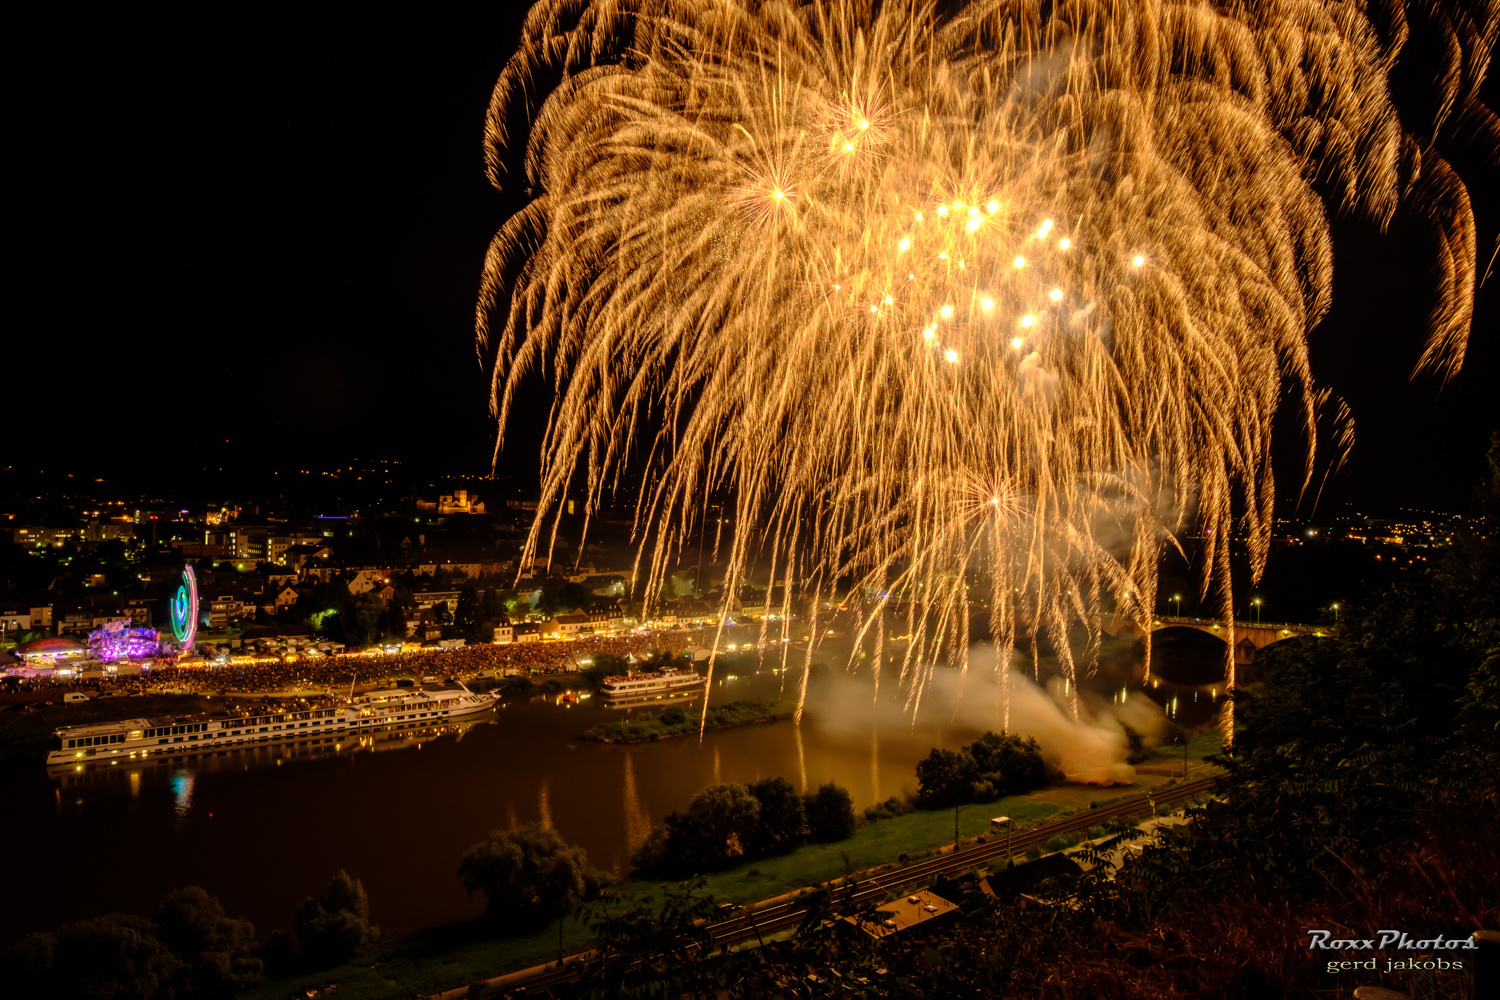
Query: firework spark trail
column 1007, row 295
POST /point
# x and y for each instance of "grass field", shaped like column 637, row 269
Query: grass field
column 444, row 957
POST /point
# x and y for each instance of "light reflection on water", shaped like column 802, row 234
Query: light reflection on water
column 287, row 817
column 182, row 794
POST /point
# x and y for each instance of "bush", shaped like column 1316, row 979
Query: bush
column 1033, row 852
column 515, row 685
column 333, row 927
column 1062, row 842
column 830, row 813
column 651, row 857
column 678, row 721
column 889, row 809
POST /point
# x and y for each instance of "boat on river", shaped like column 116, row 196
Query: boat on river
column 665, row 682
column 135, row 738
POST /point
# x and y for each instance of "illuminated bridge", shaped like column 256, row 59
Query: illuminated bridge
column 1249, row 637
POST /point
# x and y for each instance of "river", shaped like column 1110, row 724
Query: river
column 263, row 828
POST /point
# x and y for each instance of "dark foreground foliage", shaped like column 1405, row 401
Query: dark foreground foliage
column 191, row 949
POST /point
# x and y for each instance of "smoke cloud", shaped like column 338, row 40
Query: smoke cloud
column 956, row 707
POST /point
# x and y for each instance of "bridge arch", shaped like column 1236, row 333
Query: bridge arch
column 1249, row 637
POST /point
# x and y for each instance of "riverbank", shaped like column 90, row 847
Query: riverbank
column 680, row 721
column 429, row 961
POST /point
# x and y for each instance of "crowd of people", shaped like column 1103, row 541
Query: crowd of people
column 332, row 675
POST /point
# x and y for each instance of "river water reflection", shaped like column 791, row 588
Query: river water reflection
column 263, row 827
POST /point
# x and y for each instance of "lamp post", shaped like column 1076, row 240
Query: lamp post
column 1256, row 604
column 1335, row 613
column 1177, row 598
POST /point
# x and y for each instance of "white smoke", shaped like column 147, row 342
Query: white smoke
column 957, row 707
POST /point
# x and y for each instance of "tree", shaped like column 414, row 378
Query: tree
column 117, row 957
column 361, row 622
column 391, row 623
column 995, row 764
column 605, row 665
column 648, row 949
column 529, row 874
column 572, row 596
column 332, row 927
column 782, row 816
column 468, row 616
column 217, row 952
column 1007, row 763
column 830, row 813
column 725, row 818
column 496, row 603
column 944, row 778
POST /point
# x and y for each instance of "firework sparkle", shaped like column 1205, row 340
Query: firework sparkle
column 1001, row 298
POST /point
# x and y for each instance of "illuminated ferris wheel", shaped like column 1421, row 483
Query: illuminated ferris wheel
column 184, row 608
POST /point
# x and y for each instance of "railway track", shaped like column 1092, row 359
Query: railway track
column 772, row 917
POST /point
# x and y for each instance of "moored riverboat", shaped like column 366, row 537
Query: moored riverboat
column 113, row 741
column 636, row 685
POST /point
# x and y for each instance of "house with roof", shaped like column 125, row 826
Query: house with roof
column 901, row 915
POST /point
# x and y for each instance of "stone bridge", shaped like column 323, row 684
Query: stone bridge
column 1249, row 637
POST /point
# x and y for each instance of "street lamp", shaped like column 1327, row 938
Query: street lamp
column 1005, row 821
column 1178, row 598
column 1256, row 604
column 1335, row 613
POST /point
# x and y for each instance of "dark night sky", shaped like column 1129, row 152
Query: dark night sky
column 270, row 231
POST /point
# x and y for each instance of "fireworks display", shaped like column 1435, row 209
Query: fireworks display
column 970, row 308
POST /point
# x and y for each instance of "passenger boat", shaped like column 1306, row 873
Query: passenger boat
column 635, row 685
column 112, row 741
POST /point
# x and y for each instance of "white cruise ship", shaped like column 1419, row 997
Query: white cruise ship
column 634, row 685
column 113, row 741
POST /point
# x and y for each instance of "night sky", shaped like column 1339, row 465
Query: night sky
column 258, row 241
